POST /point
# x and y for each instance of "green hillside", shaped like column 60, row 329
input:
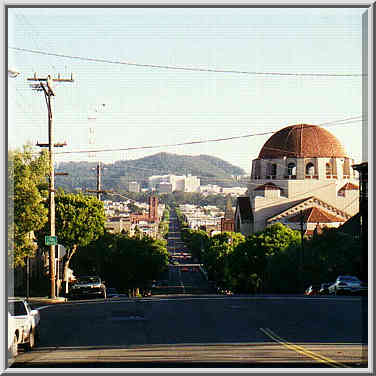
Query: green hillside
column 116, row 176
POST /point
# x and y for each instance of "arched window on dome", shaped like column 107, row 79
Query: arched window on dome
column 271, row 171
column 310, row 170
column 328, row 170
column 291, row 171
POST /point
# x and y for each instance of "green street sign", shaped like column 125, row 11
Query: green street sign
column 50, row 240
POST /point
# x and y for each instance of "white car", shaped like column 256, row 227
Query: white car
column 347, row 284
column 23, row 325
column 13, row 335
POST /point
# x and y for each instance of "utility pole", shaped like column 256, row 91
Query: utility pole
column 302, row 250
column 99, row 181
column 45, row 85
column 99, row 189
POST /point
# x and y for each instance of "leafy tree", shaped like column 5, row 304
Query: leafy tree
column 331, row 254
column 124, row 262
column 273, row 241
column 80, row 220
column 28, row 189
column 217, row 254
column 196, row 241
column 247, row 264
column 284, row 274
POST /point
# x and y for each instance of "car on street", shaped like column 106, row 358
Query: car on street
column 88, row 287
column 312, row 290
column 23, row 325
column 347, row 284
column 13, row 335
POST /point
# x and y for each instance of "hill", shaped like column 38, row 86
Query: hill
column 116, row 176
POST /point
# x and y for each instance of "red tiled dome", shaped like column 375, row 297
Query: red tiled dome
column 302, row 140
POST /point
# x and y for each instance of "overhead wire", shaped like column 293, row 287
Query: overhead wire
column 181, row 68
column 327, row 124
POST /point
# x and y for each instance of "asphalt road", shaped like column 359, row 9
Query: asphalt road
column 211, row 331
column 190, row 330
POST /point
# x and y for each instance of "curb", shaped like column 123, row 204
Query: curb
column 47, row 300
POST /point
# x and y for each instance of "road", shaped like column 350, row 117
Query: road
column 215, row 331
column 183, row 276
column 191, row 328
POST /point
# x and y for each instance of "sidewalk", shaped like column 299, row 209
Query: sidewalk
column 46, row 300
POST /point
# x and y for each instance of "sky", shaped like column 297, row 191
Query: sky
column 119, row 106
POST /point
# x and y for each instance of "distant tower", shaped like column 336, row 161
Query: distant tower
column 228, row 223
column 153, row 208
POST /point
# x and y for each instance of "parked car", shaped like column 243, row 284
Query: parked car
column 347, row 284
column 324, row 288
column 23, row 325
column 312, row 290
column 88, row 286
column 13, row 335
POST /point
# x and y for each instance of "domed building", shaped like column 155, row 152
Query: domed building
column 302, row 173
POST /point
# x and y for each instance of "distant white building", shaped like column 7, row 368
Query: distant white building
column 133, row 186
column 234, row 191
column 171, row 183
column 210, row 189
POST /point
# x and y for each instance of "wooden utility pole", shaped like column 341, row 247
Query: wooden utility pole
column 99, row 181
column 99, row 189
column 45, row 85
column 302, row 250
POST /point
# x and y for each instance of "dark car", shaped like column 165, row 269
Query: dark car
column 312, row 290
column 88, row 287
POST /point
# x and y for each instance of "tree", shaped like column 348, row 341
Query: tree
column 273, row 241
column 331, row 254
column 247, row 265
column 28, row 189
column 124, row 262
column 196, row 241
column 216, row 256
column 80, row 220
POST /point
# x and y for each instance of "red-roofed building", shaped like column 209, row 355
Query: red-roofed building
column 301, row 167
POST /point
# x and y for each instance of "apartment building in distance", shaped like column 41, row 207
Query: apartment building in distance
column 171, row 183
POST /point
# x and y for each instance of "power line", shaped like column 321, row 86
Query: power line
column 327, row 124
column 172, row 67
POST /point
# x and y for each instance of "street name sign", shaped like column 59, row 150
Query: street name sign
column 50, row 240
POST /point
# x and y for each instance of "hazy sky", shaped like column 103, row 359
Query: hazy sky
column 148, row 106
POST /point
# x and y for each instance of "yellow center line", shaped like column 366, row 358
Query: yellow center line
column 301, row 350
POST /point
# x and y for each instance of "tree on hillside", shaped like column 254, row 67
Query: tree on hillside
column 28, row 189
column 80, row 220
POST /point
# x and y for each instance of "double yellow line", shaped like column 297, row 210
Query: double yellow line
column 301, row 350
